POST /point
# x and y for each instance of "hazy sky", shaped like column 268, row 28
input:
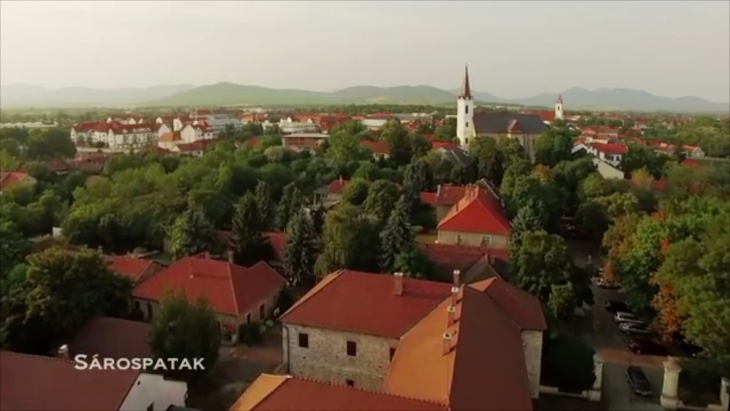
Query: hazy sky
column 514, row 49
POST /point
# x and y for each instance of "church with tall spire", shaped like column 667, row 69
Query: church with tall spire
column 520, row 126
column 465, row 112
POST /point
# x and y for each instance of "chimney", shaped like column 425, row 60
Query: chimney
column 63, row 352
column 230, row 256
column 398, row 289
column 454, row 295
column 342, row 181
column 438, row 190
column 207, row 255
column 450, row 315
column 457, row 278
column 446, row 343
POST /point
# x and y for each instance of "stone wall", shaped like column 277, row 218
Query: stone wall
column 532, row 346
column 472, row 239
column 326, row 357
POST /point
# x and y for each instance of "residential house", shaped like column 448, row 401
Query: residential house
column 474, row 263
column 292, row 126
column 379, row 149
column 237, row 295
column 303, row 141
column 12, row 179
column 476, row 219
column 276, row 239
column 192, row 133
column 169, row 141
column 332, row 193
column 375, row 122
column 217, row 125
column 609, row 153
column 450, row 346
column 134, row 267
column 31, row 382
column 196, row 148
column 447, row 195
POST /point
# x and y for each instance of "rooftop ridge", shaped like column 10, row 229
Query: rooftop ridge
column 328, row 383
column 335, row 275
column 233, row 287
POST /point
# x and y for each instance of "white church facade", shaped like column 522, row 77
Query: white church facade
column 470, row 124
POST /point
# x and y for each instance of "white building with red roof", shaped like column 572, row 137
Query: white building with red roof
column 237, row 295
column 611, row 153
column 477, row 219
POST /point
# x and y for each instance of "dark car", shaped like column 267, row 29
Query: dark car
column 647, row 346
column 616, row 305
column 690, row 349
column 637, row 380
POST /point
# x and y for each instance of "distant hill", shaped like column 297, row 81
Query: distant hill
column 236, row 94
column 30, row 96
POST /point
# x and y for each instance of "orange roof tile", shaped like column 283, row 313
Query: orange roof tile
column 131, row 267
column 286, row 393
column 377, row 147
column 476, row 212
column 382, row 313
column 522, row 307
column 10, row 179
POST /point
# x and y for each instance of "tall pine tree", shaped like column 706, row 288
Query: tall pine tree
column 525, row 221
column 265, row 205
column 250, row 244
column 291, row 201
column 299, row 255
column 397, row 238
column 191, row 233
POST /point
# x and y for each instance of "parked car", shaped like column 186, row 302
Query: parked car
column 690, row 349
column 616, row 305
column 641, row 345
column 637, row 380
column 605, row 284
column 625, row 317
column 633, row 328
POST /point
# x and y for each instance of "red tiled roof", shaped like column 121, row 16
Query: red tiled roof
column 460, row 257
column 446, row 195
column 229, row 288
column 377, row 147
column 337, row 304
column 9, row 179
column 130, row 267
column 476, row 212
column 57, row 166
column 299, row 394
column 548, row 116
column 689, row 163
column 112, row 338
column 30, row 382
column 429, row 198
column 337, row 186
column 611, row 148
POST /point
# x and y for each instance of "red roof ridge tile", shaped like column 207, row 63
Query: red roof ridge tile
column 233, row 288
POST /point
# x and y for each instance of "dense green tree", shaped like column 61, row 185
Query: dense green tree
column 185, row 330
column 397, row 237
column 525, row 221
column 190, row 234
column 399, row 141
column 642, row 157
column 541, row 262
column 382, row 196
column 57, row 294
column 553, row 146
column 350, row 241
column 299, row 257
column 356, row 192
column 345, row 147
column 421, row 147
column 250, row 244
column 568, row 363
column 415, row 264
column 265, row 204
column 291, row 202
column 489, row 158
column 50, row 143
column 562, row 301
column 447, row 132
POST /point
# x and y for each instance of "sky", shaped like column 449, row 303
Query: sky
column 513, row 49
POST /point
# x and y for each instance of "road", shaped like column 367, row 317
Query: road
column 611, row 344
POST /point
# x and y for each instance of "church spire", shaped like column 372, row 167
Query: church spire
column 465, row 89
column 560, row 99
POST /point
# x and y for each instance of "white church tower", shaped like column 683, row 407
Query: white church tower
column 559, row 114
column 465, row 113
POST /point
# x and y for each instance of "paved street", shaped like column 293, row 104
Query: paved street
column 612, row 345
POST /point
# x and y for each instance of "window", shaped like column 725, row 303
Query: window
column 466, row 141
column 466, row 110
column 458, row 239
column 248, row 318
column 392, row 353
column 304, row 340
column 262, row 311
column 351, row 348
column 466, row 124
column 486, row 240
column 350, row 383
